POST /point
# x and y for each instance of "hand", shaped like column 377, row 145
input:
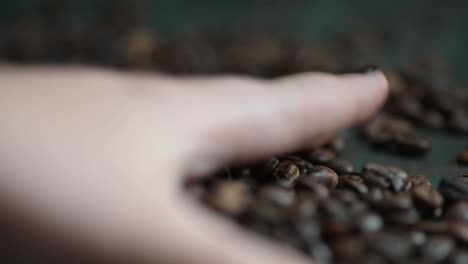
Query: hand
column 99, row 156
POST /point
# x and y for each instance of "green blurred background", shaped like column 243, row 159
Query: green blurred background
column 415, row 28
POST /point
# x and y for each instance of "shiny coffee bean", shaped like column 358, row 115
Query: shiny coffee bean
column 230, row 197
column 321, row 156
column 412, row 144
column 286, row 173
column 385, row 176
column 353, row 182
column 341, row 166
column 457, row 212
column 437, row 248
column 321, row 174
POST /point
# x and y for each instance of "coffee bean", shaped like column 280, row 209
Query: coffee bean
column 457, row 212
column 286, row 173
column 348, row 247
column 385, row 176
column 458, row 256
column 412, row 144
column 427, row 199
column 322, row 175
column 321, row 156
column 433, row 119
column 340, row 166
column 453, row 189
column 312, row 187
column 418, row 238
column 230, row 197
column 437, row 248
column 394, row 246
column 354, row 182
column 420, row 180
column 369, row 222
column 276, row 195
column 462, row 157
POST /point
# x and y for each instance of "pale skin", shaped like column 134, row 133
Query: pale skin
column 100, row 156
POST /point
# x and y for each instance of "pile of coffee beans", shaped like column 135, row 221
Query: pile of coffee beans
column 320, row 204
column 312, row 200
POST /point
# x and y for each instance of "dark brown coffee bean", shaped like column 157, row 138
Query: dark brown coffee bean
column 458, row 256
column 412, row 144
column 230, row 197
column 462, row 157
column 369, row 222
column 308, row 231
column 347, row 248
column 437, row 248
column 433, row 227
column 321, row 174
column 453, row 189
column 395, row 246
column 337, row 144
column 321, row 156
column 277, row 195
column 433, row 119
column 313, row 188
column 353, row 182
column 341, row 166
column 427, row 199
column 458, row 121
column 320, row 252
column 304, row 207
column 286, row 173
column 457, row 212
column 463, row 178
column 420, row 180
column 385, row 176
column 459, row 230
column 409, row 107
column 400, row 201
column 418, row 238
column 408, row 217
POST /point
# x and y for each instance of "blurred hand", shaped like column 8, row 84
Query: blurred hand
column 100, row 156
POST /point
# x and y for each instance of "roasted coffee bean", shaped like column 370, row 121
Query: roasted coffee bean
column 347, row 248
column 321, row 174
column 409, row 107
column 457, row 212
column 400, row 201
column 385, row 176
column 304, row 208
column 418, row 238
column 437, row 248
column 420, row 180
column 394, row 246
column 458, row 121
column 340, row 166
column 354, row 182
column 459, row 230
column 369, row 222
column 412, row 144
column 458, row 256
column 230, row 197
column 462, row 157
column 286, row 173
column 433, row 119
column 407, row 217
column 433, row 227
column 453, row 189
column 319, row 252
column 321, row 156
column 276, row 195
column 314, row 188
column 337, row 144
column 427, row 199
